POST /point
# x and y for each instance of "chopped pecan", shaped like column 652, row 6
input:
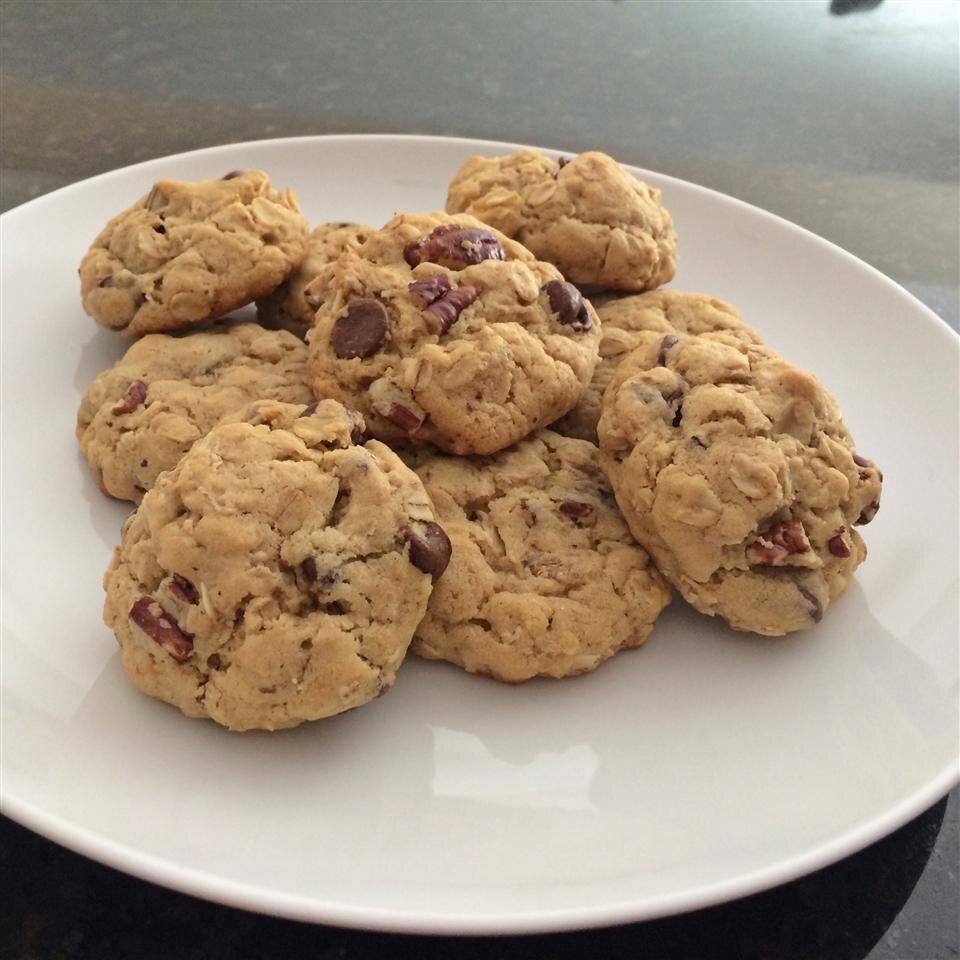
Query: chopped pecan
column 133, row 398
column 150, row 617
column 775, row 545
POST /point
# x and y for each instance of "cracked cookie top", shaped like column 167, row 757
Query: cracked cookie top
column 190, row 252
column 545, row 579
column 736, row 471
column 442, row 330
column 623, row 319
column 290, row 307
column 140, row 416
column 277, row 574
column 599, row 224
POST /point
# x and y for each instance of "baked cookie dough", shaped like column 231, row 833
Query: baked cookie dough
column 190, row 252
column 277, row 573
column 599, row 224
column 139, row 417
column 441, row 330
column 545, row 579
column 291, row 306
column 622, row 320
column 736, row 471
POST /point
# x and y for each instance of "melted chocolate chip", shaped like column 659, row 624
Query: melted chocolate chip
column 869, row 512
column 309, row 568
column 575, row 510
column 309, row 410
column 214, row 662
column 563, row 161
column 837, row 545
column 430, row 549
column 813, row 601
column 160, row 228
column 568, row 304
column 666, row 343
column 405, row 419
column 233, row 174
column 148, row 615
column 133, row 398
column 363, row 331
column 454, row 247
column 184, row 590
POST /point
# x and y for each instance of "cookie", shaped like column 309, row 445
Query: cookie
column 139, row 417
column 599, row 224
column 736, row 472
column 441, row 330
column 545, row 579
column 277, row 573
column 624, row 318
column 290, row 306
column 187, row 253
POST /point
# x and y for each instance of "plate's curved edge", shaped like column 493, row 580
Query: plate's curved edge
column 493, row 145
column 245, row 897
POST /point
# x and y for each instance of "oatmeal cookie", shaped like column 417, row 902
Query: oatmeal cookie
column 736, row 471
column 187, row 253
column 545, row 579
column 277, row 573
column 139, row 417
column 441, row 330
column 599, row 224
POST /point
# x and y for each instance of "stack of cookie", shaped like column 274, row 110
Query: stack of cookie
column 466, row 458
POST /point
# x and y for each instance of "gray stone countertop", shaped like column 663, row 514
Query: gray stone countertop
column 843, row 122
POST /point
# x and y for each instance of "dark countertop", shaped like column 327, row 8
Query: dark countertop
column 846, row 124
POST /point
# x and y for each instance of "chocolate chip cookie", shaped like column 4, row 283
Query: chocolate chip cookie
column 291, row 306
column 141, row 416
column 190, row 252
column 599, row 224
column 545, row 579
column 277, row 573
column 441, row 330
column 624, row 318
column 736, row 471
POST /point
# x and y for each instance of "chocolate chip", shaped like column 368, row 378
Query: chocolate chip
column 133, row 398
column 449, row 307
column 233, row 174
column 405, row 419
column 666, row 343
column 430, row 549
column 568, row 304
column 430, row 289
column 107, row 281
column 359, row 435
column 184, row 590
column 214, row 662
column 576, row 510
column 149, row 616
column 454, row 247
column 309, row 568
column 869, row 512
column 363, row 331
column 837, row 545
column 160, row 228
column 816, row 607
column 139, row 300
column 563, row 161
column 309, row 410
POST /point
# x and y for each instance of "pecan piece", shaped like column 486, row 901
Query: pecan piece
column 133, row 398
column 577, row 511
column 430, row 289
column 150, row 617
column 362, row 331
column 184, row 590
column 430, row 549
column 447, row 309
column 454, row 247
column 775, row 545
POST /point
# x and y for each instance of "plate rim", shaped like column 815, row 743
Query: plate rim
column 208, row 885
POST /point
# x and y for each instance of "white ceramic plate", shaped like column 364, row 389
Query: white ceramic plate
column 702, row 767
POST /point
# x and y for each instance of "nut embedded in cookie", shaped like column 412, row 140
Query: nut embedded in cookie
column 277, row 573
